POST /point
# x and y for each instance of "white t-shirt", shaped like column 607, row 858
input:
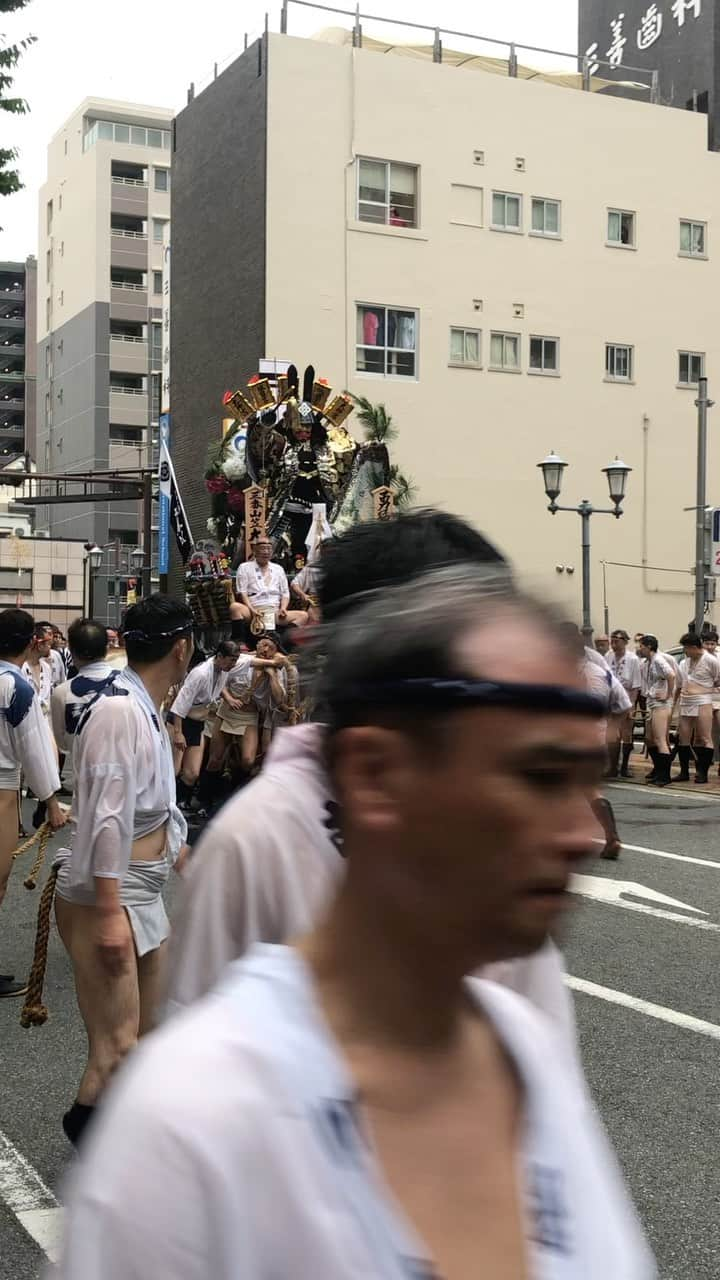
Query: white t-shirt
column 626, row 669
column 656, row 673
column 264, row 590
column 70, row 699
column 704, row 672
column 201, row 687
column 230, row 1148
column 266, row 867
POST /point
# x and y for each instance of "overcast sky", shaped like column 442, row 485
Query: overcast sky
column 149, row 51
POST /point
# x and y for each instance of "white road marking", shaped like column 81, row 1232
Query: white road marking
column 612, row 892
column 673, row 1016
column 661, row 853
column 33, row 1203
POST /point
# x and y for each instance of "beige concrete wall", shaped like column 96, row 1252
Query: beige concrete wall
column 42, row 557
column 471, row 437
column 79, row 185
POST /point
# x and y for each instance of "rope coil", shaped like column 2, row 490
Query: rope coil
column 41, row 838
column 34, row 1013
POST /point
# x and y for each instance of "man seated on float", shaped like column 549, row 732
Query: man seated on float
column 263, row 593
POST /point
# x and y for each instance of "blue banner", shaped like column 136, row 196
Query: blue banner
column 164, row 499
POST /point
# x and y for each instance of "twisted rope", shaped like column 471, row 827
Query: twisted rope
column 41, row 838
column 34, row 1012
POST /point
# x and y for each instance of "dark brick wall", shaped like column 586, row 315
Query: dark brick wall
column 683, row 56
column 218, row 264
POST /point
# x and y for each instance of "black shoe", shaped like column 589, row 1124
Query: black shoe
column 684, row 754
column 662, row 776
column 704, row 759
column 9, row 988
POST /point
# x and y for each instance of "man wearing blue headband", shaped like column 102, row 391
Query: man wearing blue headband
column 129, row 832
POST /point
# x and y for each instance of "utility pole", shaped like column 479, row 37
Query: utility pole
column 701, row 568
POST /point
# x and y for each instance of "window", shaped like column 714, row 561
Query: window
column 105, row 131
column 386, row 341
column 155, row 388
column 155, row 137
column 545, row 217
column 135, row 135
column 692, row 239
column 158, row 227
column 49, row 216
column 48, row 313
column 387, row 193
column 505, row 351
column 48, row 265
column 162, row 179
column 544, row 355
column 126, row 537
column 48, row 357
column 156, row 346
column 691, row 367
column 618, row 362
column 58, row 582
column 15, row 580
column 465, row 347
column 506, row 211
column 621, row 228
column 157, row 281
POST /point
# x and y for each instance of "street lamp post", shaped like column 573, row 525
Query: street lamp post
column 93, row 560
column 617, row 473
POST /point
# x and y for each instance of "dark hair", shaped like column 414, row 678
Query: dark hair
column 151, row 627
column 650, row 642
column 17, row 628
column 382, row 553
column 618, row 633
column 273, row 637
column 227, row 649
column 40, row 629
column 88, row 640
column 711, row 635
column 692, row 639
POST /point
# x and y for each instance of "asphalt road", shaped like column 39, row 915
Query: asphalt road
column 648, row 1015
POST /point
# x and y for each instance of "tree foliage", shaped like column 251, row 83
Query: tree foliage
column 10, row 55
column 376, row 421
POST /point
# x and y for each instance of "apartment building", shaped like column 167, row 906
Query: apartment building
column 510, row 265
column 18, row 301
column 104, row 213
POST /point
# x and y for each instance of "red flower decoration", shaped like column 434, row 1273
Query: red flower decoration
column 236, row 499
column 216, row 484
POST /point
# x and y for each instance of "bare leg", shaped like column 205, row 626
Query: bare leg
column 192, row 764
column 703, row 727
column 660, row 729
column 249, row 747
column 109, row 1005
column 151, row 972
column 8, row 836
column 239, row 612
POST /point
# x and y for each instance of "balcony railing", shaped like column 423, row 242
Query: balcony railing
column 130, row 182
column 125, row 284
column 125, row 337
column 127, row 391
column 130, row 235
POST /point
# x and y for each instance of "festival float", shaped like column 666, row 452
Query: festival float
column 288, row 467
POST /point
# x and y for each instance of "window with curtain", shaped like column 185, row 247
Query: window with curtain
column 545, row 217
column 505, row 351
column 387, row 193
column 692, row 238
column 621, row 228
column 618, row 362
column 506, row 211
column 386, row 341
column 465, row 346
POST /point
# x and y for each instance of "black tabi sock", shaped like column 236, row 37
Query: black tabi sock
column 76, row 1120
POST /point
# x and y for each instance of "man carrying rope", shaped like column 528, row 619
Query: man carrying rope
column 129, row 833
column 25, row 746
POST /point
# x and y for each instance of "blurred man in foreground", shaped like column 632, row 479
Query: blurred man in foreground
column 353, row 1106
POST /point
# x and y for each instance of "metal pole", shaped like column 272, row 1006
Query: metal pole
column 147, row 536
column 585, row 511
column 284, row 18
column 91, row 589
column 606, row 611
column 703, row 404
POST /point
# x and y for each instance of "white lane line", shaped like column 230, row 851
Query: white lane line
column 673, row 1016
column 655, row 792
column 27, row 1196
column 662, row 853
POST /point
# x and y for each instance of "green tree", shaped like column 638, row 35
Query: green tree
column 10, row 55
column 375, row 420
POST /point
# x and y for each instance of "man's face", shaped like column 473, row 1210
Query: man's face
column 645, row 651
column 618, row 643
column 692, row 650
column 473, row 833
column 263, row 551
column 602, row 644
column 710, row 645
column 266, row 650
column 43, row 643
column 225, row 664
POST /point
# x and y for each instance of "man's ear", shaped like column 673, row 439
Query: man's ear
column 372, row 775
